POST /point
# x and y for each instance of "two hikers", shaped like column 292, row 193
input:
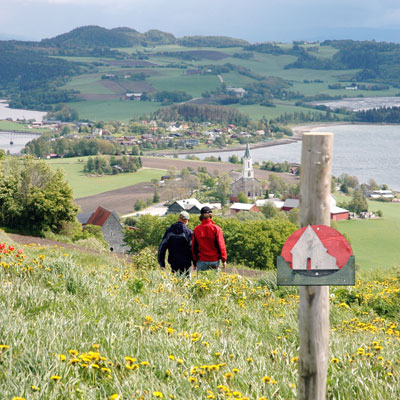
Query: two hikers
column 205, row 246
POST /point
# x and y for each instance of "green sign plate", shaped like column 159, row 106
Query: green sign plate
column 286, row 276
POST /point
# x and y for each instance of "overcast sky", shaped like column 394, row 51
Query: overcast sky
column 254, row 20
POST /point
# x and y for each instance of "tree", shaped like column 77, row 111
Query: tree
column 223, row 188
column 33, row 198
column 139, row 205
column 242, row 198
column 358, row 203
column 269, row 210
column 156, row 196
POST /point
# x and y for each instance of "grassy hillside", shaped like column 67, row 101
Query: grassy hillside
column 84, row 185
column 375, row 242
column 161, row 63
column 80, row 326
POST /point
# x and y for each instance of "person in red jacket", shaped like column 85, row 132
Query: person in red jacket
column 208, row 244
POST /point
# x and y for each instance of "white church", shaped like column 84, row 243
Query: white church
column 245, row 182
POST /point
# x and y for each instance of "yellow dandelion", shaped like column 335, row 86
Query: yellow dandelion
column 55, row 378
column 144, row 363
column 235, row 370
column 61, row 357
column 171, row 357
column 179, row 361
column 4, row 346
column 266, row 379
column 249, row 359
column 73, row 352
column 294, row 359
column 96, row 346
column 35, row 388
column 115, row 396
column 159, row 395
column 334, row 360
column 18, row 398
column 229, row 375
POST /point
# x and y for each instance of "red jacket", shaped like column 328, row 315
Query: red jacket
column 208, row 242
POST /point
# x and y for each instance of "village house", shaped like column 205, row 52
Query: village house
column 277, row 203
column 381, row 194
column 192, row 206
column 133, row 96
column 111, row 227
column 239, row 92
column 237, row 207
column 337, row 213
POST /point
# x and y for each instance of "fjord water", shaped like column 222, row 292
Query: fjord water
column 366, row 151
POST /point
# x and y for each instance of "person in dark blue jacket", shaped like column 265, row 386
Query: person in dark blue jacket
column 177, row 240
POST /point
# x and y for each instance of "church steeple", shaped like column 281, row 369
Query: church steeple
column 247, row 168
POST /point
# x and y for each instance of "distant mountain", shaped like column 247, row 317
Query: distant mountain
column 212, row 41
column 92, row 36
column 89, row 37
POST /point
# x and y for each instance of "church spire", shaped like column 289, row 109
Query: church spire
column 247, row 151
column 247, row 168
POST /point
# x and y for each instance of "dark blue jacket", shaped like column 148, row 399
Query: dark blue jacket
column 178, row 240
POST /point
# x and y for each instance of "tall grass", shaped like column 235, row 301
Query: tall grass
column 78, row 326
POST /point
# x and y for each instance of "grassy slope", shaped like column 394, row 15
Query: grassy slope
column 84, row 185
column 81, row 326
column 114, row 110
column 376, row 243
column 176, row 79
column 15, row 126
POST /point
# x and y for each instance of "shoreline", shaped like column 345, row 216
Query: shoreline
column 298, row 131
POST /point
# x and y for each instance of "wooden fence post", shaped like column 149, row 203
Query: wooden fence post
column 315, row 192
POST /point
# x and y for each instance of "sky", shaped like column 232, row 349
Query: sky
column 253, row 20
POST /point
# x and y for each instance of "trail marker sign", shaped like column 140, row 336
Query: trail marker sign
column 316, row 255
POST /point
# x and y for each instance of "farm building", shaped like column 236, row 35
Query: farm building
column 237, row 207
column 110, row 227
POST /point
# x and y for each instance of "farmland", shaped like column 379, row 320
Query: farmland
column 375, row 242
column 85, row 326
column 84, row 185
column 168, row 68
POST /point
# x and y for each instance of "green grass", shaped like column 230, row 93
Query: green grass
column 85, row 326
column 177, row 79
column 191, row 84
column 83, row 185
column 113, row 110
column 15, row 126
column 256, row 112
column 88, row 83
column 376, row 243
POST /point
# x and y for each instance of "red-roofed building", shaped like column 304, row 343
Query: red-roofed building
column 110, row 227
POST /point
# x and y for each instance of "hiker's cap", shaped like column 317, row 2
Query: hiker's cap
column 205, row 210
column 184, row 215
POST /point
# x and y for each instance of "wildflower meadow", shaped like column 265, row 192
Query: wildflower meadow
column 84, row 326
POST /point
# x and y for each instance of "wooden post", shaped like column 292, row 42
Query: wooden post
column 315, row 191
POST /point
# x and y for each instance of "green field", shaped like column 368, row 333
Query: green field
column 15, row 126
column 89, row 326
column 376, row 243
column 176, row 79
column 256, row 111
column 84, row 185
column 114, row 110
